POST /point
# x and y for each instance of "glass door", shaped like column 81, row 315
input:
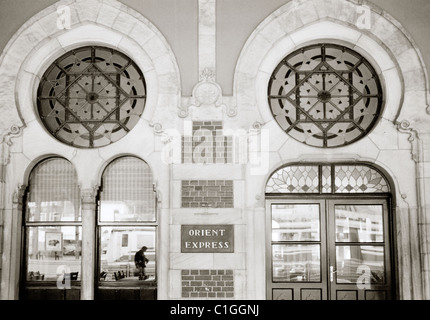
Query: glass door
column 359, row 251
column 298, row 250
column 328, row 249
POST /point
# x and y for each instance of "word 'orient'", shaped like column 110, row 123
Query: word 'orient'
column 207, row 238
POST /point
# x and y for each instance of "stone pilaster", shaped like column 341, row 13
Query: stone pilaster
column 423, row 181
column 9, row 218
column 207, row 35
column 420, row 153
column 88, row 203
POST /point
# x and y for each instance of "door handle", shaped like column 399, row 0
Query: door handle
column 332, row 272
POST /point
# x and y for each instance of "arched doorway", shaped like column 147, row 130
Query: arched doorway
column 329, row 233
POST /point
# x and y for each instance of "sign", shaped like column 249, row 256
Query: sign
column 207, row 238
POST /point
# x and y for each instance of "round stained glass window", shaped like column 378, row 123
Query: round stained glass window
column 325, row 95
column 91, row 97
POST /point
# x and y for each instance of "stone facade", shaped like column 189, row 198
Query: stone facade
column 399, row 144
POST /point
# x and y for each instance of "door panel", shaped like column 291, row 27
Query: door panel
column 296, row 263
column 297, row 248
column 328, row 249
column 359, row 249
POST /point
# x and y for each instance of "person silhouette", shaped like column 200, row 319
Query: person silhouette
column 140, row 260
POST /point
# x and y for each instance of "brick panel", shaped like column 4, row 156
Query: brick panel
column 207, row 284
column 207, row 144
column 207, row 193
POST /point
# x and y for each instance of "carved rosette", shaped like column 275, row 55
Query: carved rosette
column 256, row 127
column 208, row 93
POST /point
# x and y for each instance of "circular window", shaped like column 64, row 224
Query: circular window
column 325, row 95
column 91, row 97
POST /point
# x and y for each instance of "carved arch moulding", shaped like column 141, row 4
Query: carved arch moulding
column 69, row 24
column 377, row 36
column 360, row 25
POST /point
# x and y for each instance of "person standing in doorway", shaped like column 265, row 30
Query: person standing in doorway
column 140, row 261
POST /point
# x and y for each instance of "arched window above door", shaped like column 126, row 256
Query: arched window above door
column 327, row 179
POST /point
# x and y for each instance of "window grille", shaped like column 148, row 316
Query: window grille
column 91, row 97
column 325, row 95
column 54, row 192
column 127, row 191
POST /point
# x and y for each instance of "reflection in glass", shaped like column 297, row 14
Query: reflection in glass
column 295, row 222
column 118, row 246
column 296, row 263
column 54, row 253
column 128, row 192
column 54, row 192
column 360, row 264
column 359, row 223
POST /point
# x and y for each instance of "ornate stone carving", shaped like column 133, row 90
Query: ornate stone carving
column 166, row 135
column 207, row 75
column 256, row 127
column 405, row 127
column 88, row 195
column 157, row 193
column 208, row 93
column 5, row 144
column 156, row 127
column 14, row 131
column 18, row 195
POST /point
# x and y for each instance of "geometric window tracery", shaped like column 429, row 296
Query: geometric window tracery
column 327, row 179
column 91, row 97
column 325, row 95
column 294, row 179
column 358, row 179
